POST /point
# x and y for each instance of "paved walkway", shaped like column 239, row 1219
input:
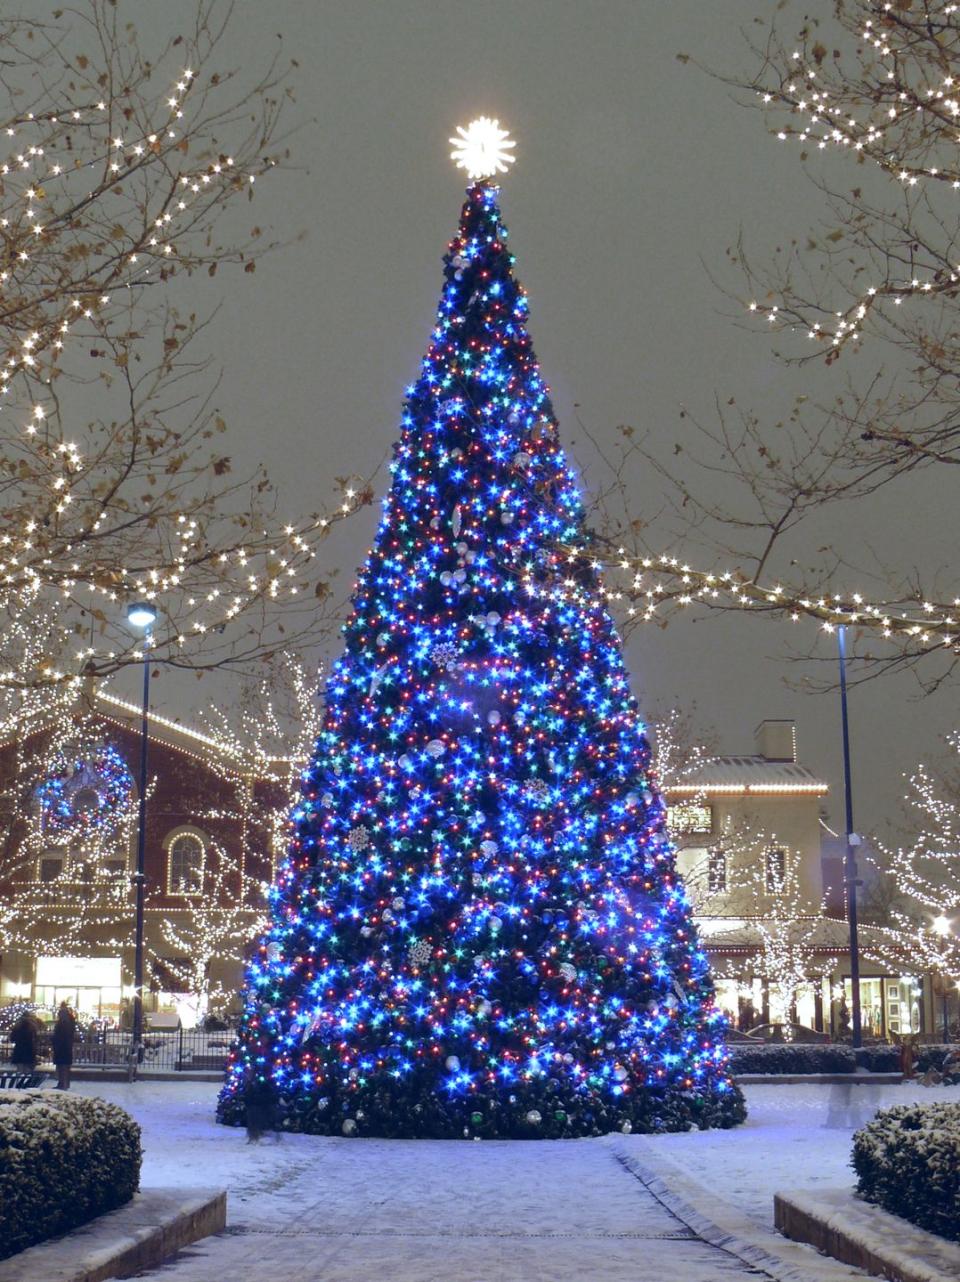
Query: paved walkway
column 616, row 1209
column 351, row 1211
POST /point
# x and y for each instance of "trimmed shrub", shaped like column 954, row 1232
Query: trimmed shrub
column 907, row 1160
column 63, row 1160
column 880, row 1058
column 886, row 1059
column 791, row 1057
column 931, row 1057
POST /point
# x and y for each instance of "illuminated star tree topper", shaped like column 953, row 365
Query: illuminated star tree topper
column 482, row 149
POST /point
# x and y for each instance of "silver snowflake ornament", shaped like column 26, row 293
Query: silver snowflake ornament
column 419, row 953
column 445, row 655
column 358, row 838
column 537, row 791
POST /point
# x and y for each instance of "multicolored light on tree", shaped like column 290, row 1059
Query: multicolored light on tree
column 479, row 929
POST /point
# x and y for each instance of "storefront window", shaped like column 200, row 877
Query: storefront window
column 889, row 1004
column 90, row 985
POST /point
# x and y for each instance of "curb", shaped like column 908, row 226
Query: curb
column 818, row 1079
column 117, row 1073
column 158, row 1075
column 138, row 1236
column 844, row 1226
column 722, row 1225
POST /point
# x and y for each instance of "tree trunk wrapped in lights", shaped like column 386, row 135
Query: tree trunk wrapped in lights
column 479, row 929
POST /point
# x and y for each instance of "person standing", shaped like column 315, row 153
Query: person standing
column 260, row 1105
column 64, row 1032
column 24, row 1050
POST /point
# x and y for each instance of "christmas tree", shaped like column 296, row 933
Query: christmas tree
column 479, row 929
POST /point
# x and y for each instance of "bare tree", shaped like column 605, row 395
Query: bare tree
column 871, row 90
column 116, row 477
column 219, row 924
column 923, row 923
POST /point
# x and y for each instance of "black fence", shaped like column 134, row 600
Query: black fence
column 176, row 1050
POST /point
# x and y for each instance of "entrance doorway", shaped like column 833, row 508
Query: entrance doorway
column 91, row 986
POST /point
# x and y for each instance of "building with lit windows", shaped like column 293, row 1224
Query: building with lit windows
column 69, row 853
column 749, row 829
column 766, row 879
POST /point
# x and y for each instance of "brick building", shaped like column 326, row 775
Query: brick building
column 212, row 838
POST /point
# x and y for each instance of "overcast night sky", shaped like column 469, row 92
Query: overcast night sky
column 634, row 173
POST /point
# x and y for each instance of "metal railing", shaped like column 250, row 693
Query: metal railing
column 176, row 1050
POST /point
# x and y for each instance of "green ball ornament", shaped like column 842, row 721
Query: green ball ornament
column 476, row 1119
column 560, row 1116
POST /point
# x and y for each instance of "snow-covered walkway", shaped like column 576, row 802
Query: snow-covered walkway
column 794, row 1137
column 306, row 1208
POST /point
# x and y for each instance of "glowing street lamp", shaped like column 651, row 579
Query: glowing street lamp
column 141, row 614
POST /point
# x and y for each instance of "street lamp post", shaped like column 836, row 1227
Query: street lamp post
column 852, row 841
column 141, row 614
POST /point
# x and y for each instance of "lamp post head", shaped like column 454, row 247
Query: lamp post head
column 141, row 614
column 942, row 925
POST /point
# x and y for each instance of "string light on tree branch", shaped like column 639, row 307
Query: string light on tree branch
column 658, row 583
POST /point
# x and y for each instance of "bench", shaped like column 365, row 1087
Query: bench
column 16, row 1080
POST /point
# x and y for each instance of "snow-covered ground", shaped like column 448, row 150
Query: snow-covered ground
column 795, row 1137
column 419, row 1211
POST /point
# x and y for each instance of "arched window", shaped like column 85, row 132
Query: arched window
column 185, row 857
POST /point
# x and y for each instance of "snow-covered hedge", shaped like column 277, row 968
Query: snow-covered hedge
column 791, row 1057
column 879, row 1058
column 908, row 1161
column 931, row 1057
column 882, row 1058
column 63, row 1160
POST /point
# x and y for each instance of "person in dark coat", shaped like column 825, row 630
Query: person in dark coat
column 260, row 1106
column 64, row 1032
column 24, row 1051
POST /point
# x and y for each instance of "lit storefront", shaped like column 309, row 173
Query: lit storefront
column 890, row 1005
column 91, row 985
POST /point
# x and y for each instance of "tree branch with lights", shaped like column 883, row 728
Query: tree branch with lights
column 924, row 920
column 872, row 93
column 116, row 475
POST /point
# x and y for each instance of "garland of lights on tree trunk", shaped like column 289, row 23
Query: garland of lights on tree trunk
column 479, row 930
